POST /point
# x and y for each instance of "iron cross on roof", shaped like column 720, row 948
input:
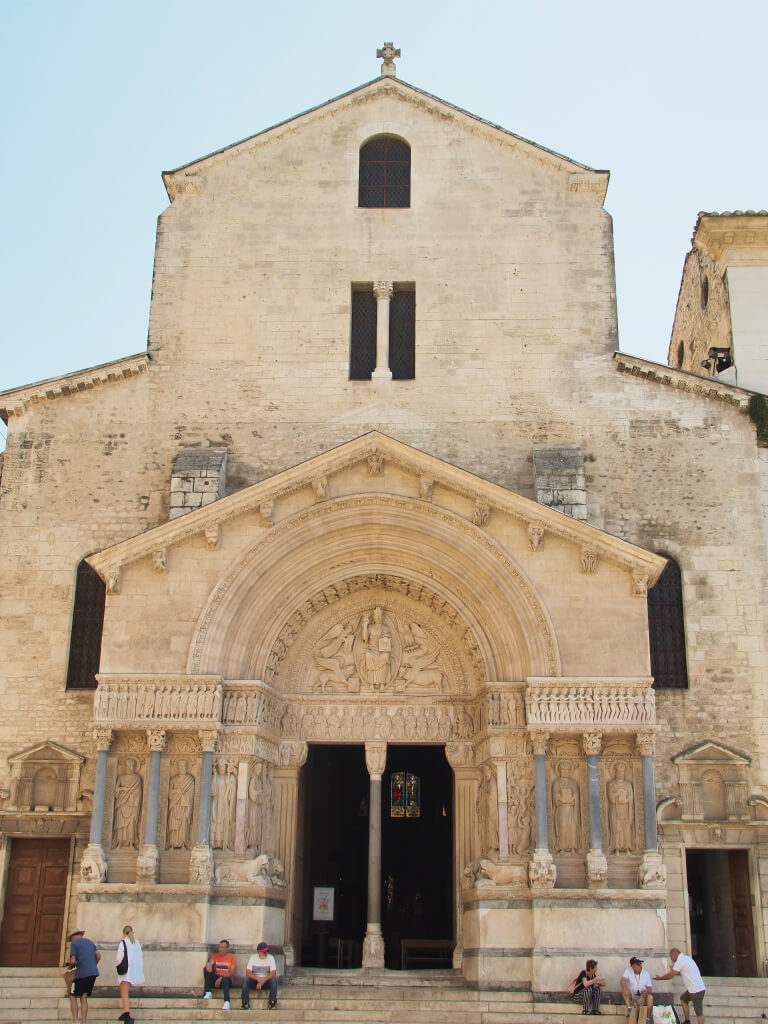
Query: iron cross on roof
column 388, row 52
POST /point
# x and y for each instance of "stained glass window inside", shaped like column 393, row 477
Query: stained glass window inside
column 404, row 795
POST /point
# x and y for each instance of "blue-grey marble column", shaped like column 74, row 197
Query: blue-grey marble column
column 539, row 741
column 645, row 744
column 593, row 791
column 204, row 802
column 373, row 943
column 103, row 741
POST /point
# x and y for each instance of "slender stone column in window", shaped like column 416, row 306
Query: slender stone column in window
column 93, row 865
column 373, row 944
column 201, row 859
column 383, row 292
column 597, row 865
column 652, row 873
column 541, row 870
column 146, row 862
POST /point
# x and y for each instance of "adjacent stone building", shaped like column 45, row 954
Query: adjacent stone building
column 381, row 608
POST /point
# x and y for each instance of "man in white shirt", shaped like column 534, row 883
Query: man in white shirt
column 260, row 972
column 636, row 986
column 686, row 967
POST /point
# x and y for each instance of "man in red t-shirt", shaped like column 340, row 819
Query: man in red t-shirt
column 219, row 971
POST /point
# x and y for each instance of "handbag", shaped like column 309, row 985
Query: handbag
column 122, row 967
column 69, row 977
column 573, row 986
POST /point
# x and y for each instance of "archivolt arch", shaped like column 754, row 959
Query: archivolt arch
column 318, row 549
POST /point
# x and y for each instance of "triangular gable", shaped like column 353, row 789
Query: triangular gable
column 48, row 751
column 264, row 496
column 177, row 181
column 710, row 752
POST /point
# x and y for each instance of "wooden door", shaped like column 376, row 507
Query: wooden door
column 35, row 899
column 741, row 901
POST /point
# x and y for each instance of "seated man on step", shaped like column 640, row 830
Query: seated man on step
column 260, row 973
column 219, row 971
column 637, row 988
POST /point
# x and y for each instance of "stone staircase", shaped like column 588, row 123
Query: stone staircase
column 36, row 996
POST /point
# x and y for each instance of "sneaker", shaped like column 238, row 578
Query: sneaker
column 245, row 1006
column 272, row 1004
column 225, row 1005
column 207, row 995
column 629, row 1011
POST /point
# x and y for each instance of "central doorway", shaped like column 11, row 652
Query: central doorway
column 417, row 862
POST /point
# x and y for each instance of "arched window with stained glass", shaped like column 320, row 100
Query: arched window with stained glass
column 404, row 795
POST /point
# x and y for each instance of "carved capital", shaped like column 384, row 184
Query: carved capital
column 103, row 738
column 160, row 559
column 460, row 755
column 535, row 534
column 588, row 561
column 213, row 536
column 592, row 742
column 207, row 740
column 539, row 740
column 646, row 743
column 156, row 739
column 375, row 759
column 293, row 753
column 383, row 290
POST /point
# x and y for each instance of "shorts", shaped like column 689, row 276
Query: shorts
column 697, row 998
column 83, row 986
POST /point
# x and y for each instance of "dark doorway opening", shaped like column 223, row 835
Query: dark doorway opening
column 417, row 863
column 720, row 908
column 35, row 898
column 335, row 853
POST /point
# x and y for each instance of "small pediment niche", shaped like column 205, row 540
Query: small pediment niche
column 714, row 783
column 45, row 778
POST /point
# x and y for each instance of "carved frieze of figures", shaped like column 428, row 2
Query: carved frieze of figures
column 375, row 652
column 223, row 797
column 505, row 708
column 181, row 804
column 621, row 704
column 128, row 796
column 620, row 797
column 566, row 810
column 121, row 701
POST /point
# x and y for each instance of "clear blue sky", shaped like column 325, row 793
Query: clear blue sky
column 100, row 97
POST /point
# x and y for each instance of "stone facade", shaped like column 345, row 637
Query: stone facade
column 368, row 562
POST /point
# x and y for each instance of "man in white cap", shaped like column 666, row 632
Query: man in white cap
column 688, row 970
column 260, row 972
column 637, row 988
column 83, row 955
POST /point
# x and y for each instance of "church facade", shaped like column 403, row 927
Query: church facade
column 381, row 608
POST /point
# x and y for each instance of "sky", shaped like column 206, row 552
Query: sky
column 100, row 97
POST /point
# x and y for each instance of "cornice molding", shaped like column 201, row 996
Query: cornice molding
column 682, row 380
column 16, row 401
column 386, row 450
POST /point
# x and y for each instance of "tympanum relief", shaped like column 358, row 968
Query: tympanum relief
column 377, row 652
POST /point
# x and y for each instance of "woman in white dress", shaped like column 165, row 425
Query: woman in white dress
column 129, row 948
